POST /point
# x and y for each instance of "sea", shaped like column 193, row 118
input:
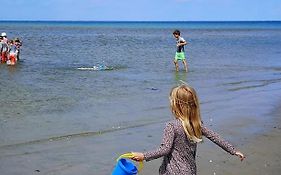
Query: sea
column 58, row 114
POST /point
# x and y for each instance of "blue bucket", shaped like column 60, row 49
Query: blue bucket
column 124, row 167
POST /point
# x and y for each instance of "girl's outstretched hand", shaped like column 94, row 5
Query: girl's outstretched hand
column 138, row 156
column 240, row 155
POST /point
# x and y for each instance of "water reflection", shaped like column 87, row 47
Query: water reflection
column 180, row 76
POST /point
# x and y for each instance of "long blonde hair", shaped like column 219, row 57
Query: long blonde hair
column 185, row 107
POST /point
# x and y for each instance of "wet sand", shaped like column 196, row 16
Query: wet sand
column 263, row 155
column 96, row 154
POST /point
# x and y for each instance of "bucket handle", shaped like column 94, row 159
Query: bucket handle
column 129, row 156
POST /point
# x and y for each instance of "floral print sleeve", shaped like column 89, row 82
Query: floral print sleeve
column 166, row 144
column 214, row 137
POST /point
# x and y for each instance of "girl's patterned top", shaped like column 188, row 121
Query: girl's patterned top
column 179, row 152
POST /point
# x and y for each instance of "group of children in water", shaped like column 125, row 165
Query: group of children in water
column 9, row 49
column 185, row 130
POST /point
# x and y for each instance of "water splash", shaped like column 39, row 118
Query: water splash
column 96, row 68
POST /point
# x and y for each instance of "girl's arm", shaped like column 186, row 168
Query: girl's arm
column 164, row 148
column 214, row 137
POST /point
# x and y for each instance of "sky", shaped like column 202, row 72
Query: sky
column 141, row 10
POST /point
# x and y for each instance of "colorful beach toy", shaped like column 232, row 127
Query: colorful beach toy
column 125, row 166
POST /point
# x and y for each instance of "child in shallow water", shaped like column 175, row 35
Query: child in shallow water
column 3, row 47
column 182, row 134
column 12, row 53
column 180, row 53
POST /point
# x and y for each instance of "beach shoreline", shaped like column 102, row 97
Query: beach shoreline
column 262, row 151
column 70, row 156
column 58, row 120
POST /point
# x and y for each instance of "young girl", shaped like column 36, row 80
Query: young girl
column 182, row 134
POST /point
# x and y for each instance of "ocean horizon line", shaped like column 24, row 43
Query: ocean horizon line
column 152, row 21
column 274, row 25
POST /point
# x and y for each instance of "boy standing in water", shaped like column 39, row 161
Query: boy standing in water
column 180, row 56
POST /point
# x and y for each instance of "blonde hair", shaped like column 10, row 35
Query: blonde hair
column 185, row 107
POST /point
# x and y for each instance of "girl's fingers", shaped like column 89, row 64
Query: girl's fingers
column 135, row 159
column 241, row 156
column 137, row 156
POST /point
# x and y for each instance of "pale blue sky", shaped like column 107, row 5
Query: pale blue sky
column 141, row 10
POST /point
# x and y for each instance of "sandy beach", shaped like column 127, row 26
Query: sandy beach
column 263, row 155
column 76, row 155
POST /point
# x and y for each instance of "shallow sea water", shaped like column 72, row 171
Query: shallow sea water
column 236, row 72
